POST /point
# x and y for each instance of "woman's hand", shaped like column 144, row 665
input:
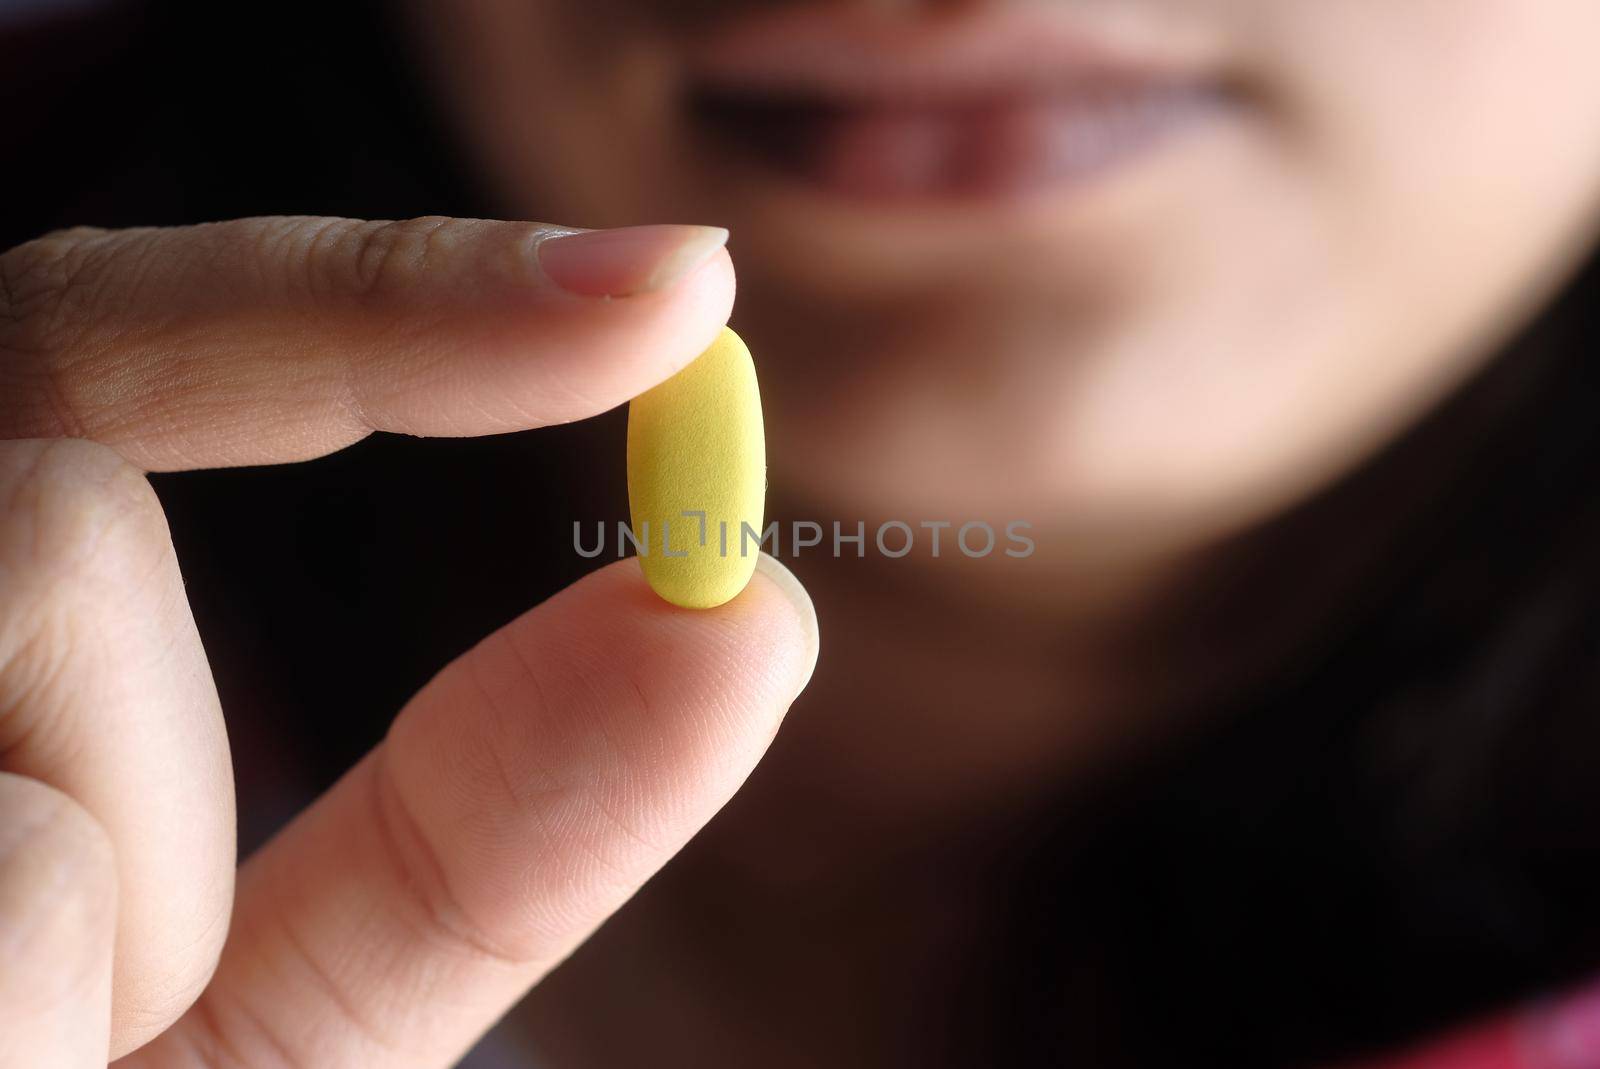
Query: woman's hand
column 518, row 799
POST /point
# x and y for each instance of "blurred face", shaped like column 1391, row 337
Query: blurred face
column 1112, row 266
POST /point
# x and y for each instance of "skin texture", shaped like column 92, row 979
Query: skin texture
column 523, row 794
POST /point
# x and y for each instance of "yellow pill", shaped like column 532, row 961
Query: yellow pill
column 697, row 477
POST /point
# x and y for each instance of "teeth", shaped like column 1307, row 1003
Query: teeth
column 975, row 146
column 1088, row 135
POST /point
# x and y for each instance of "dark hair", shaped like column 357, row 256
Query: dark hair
column 1397, row 829
column 1400, row 829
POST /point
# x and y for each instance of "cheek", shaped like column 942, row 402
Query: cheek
column 1480, row 117
column 1433, row 171
column 562, row 106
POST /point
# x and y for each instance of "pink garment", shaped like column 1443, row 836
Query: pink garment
column 1559, row 1033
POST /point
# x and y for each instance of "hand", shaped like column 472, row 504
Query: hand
column 518, row 799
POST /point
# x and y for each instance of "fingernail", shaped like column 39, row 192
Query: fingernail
column 785, row 581
column 628, row 260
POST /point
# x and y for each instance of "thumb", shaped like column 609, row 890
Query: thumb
column 520, row 798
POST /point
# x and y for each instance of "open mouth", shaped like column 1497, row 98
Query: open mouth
column 974, row 147
column 987, row 105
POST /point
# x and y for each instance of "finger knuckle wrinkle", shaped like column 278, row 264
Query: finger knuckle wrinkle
column 291, row 252
column 423, row 877
column 232, row 1035
column 74, row 507
column 36, row 674
column 175, row 984
column 390, row 257
column 45, row 286
column 343, row 1001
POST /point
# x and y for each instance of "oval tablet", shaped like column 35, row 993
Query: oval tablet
column 697, row 477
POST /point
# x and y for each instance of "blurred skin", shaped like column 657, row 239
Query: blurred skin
column 1140, row 362
column 1143, row 361
column 1188, row 342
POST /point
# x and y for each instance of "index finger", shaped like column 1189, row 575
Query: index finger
column 267, row 340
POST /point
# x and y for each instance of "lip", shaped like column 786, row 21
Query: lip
column 977, row 105
column 853, row 55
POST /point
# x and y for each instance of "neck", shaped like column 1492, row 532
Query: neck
column 859, row 863
column 873, row 836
